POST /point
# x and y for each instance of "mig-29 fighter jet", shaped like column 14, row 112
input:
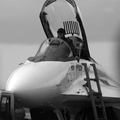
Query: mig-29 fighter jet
column 54, row 83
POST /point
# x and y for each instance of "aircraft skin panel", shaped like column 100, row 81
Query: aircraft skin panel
column 38, row 86
column 107, row 91
column 109, row 87
column 32, row 72
column 27, row 81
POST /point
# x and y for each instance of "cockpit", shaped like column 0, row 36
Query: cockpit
column 52, row 18
column 53, row 49
column 69, row 17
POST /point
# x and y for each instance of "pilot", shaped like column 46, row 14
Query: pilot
column 61, row 34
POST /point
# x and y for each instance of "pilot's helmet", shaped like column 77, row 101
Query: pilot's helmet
column 61, row 30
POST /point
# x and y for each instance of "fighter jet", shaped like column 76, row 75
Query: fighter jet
column 54, row 82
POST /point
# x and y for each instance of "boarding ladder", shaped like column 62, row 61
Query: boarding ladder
column 95, row 95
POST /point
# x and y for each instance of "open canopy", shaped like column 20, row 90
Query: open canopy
column 65, row 14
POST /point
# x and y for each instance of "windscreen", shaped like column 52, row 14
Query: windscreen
column 54, row 49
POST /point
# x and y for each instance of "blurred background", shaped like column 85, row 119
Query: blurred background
column 21, row 33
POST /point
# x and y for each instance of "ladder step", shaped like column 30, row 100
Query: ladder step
column 96, row 93
column 93, row 79
column 96, row 97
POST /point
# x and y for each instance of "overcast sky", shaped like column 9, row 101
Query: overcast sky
column 19, row 18
column 21, row 32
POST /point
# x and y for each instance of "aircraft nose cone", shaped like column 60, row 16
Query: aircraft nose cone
column 29, row 76
column 34, row 82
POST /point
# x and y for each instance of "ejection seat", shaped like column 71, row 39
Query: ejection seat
column 72, row 29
